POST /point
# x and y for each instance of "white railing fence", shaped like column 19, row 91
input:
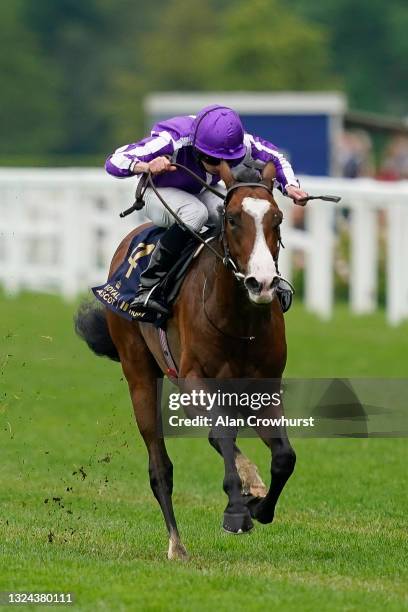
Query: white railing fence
column 60, row 228
column 372, row 205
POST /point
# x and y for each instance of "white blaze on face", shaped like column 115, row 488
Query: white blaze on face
column 261, row 265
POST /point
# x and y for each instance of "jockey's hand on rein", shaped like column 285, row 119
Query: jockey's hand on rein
column 161, row 164
column 296, row 194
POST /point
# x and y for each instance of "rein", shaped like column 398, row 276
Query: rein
column 147, row 181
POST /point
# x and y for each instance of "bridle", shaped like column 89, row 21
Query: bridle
column 227, row 255
column 228, row 258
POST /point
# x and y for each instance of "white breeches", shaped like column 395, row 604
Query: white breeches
column 195, row 210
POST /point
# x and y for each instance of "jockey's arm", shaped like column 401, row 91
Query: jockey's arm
column 147, row 154
column 264, row 152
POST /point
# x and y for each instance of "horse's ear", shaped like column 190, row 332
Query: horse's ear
column 268, row 174
column 226, row 174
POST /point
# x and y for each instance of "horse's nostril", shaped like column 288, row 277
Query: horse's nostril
column 253, row 285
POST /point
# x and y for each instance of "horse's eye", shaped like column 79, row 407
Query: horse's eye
column 231, row 221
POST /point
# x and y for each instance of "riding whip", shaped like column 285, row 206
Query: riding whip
column 326, row 198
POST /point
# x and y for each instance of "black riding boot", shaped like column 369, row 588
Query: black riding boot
column 162, row 260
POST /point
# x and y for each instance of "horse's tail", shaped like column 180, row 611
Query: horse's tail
column 91, row 326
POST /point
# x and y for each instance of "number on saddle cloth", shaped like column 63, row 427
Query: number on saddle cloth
column 119, row 290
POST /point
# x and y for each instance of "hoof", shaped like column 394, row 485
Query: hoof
column 176, row 551
column 237, row 522
column 260, row 511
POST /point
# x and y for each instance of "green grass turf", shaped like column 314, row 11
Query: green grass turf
column 66, row 432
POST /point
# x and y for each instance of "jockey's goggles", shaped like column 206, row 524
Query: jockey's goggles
column 215, row 161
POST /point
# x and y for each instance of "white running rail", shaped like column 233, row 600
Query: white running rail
column 60, row 227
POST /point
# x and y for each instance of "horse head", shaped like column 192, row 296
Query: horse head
column 252, row 232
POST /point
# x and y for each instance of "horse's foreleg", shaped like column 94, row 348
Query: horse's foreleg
column 237, row 518
column 236, row 515
column 282, row 465
column 251, row 482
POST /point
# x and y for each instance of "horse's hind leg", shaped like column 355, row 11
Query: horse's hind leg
column 142, row 372
column 160, row 467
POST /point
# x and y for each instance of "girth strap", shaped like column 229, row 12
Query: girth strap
column 171, row 371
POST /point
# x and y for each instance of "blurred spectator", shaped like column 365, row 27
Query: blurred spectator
column 355, row 153
column 395, row 161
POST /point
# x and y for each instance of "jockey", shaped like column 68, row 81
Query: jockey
column 199, row 142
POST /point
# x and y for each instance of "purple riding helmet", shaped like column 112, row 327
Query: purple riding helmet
column 217, row 131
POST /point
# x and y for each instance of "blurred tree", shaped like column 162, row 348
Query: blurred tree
column 76, row 36
column 266, row 47
column 129, row 79
column 369, row 45
column 251, row 46
column 74, row 72
column 395, row 58
column 31, row 117
column 171, row 52
column 95, row 47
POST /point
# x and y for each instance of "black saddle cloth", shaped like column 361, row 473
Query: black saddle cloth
column 120, row 289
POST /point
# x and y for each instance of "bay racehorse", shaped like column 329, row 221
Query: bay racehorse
column 227, row 323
